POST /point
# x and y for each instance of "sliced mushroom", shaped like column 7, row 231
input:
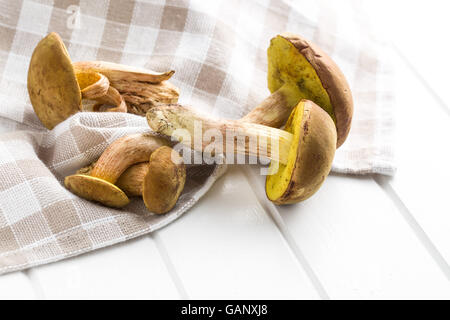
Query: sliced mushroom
column 298, row 69
column 100, row 184
column 305, row 149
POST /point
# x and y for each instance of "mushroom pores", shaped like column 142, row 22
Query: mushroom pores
column 95, row 189
column 288, row 67
column 165, row 180
column 310, row 156
column 52, row 84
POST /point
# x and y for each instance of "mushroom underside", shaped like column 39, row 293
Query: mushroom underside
column 309, row 159
column 95, row 189
column 289, row 69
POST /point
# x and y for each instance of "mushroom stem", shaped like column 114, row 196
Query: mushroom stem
column 139, row 88
column 275, row 109
column 258, row 140
column 123, row 153
column 130, row 181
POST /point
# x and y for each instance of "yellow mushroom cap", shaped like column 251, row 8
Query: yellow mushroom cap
column 95, row 189
column 310, row 156
column 52, row 84
column 306, row 72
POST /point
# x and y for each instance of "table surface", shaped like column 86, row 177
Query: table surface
column 366, row 237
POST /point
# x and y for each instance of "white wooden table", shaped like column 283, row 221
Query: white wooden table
column 359, row 237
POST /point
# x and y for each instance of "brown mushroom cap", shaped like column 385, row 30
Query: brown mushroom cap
column 310, row 74
column 310, row 156
column 164, row 181
column 52, row 84
column 95, row 189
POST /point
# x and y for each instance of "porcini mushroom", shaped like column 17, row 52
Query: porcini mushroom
column 99, row 185
column 56, row 86
column 56, row 89
column 159, row 181
column 298, row 69
column 305, row 148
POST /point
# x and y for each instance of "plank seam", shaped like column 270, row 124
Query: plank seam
column 413, row 224
column 273, row 214
column 169, row 266
column 35, row 283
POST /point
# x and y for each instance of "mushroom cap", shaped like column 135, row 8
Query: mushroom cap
column 164, row 181
column 52, row 84
column 95, row 189
column 312, row 75
column 310, row 156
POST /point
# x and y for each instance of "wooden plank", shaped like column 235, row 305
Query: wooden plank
column 357, row 242
column 423, row 155
column 133, row 270
column 16, row 286
column 226, row 246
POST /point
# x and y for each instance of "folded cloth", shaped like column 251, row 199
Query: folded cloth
column 218, row 49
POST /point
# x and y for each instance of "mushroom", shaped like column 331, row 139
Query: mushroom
column 56, row 86
column 99, row 185
column 298, row 69
column 159, row 181
column 305, row 148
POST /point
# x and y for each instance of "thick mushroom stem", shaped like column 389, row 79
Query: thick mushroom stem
column 129, row 182
column 256, row 140
column 275, row 109
column 123, row 153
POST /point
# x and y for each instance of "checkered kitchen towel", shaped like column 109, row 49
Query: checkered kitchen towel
column 218, row 49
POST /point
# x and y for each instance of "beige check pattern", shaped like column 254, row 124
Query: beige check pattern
column 218, row 51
